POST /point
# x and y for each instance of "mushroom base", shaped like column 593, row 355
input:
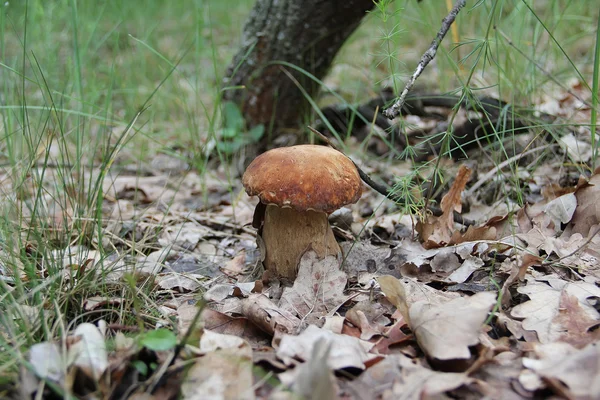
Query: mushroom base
column 288, row 234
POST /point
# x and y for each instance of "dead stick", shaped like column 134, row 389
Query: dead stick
column 385, row 190
column 429, row 55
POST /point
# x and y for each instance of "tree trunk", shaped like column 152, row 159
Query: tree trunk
column 305, row 33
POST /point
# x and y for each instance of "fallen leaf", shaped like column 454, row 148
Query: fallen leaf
column 587, row 213
column 334, row 323
column 557, row 212
column 219, row 292
column 445, row 331
column 89, row 351
column 183, row 236
column 263, row 313
column 361, row 257
column 346, row 351
column 236, row 326
column 392, row 336
column 578, row 369
column 211, row 341
column 445, row 327
column 47, row 361
column 542, row 313
column 210, row 377
column 396, row 294
column 368, row 316
column 313, row 379
column 181, row 282
column 437, row 231
column 318, row 288
column 462, row 273
column 404, row 292
column 95, row 302
column 399, row 377
column 578, row 150
column 474, row 233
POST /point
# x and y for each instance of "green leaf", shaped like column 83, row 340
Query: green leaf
column 233, row 116
column 229, row 133
column 230, row 147
column 256, row 133
column 159, row 340
column 141, row 367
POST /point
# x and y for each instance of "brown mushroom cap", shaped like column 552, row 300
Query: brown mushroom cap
column 305, row 177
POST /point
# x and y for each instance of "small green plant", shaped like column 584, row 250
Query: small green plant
column 158, row 340
column 234, row 136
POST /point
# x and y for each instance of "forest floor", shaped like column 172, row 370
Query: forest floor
column 129, row 267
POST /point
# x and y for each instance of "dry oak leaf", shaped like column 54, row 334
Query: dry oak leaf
column 369, row 318
column 444, row 328
column 542, row 313
column 587, row 213
column 224, row 372
column 577, row 324
column 312, row 379
column 445, row 331
column 578, row 369
column 318, row 288
column 89, row 351
column 398, row 377
column 557, row 212
column 345, row 351
column 406, row 291
column 437, row 231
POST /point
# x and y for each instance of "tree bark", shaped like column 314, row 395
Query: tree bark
column 305, row 33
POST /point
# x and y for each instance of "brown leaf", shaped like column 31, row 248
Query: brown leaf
column 396, row 294
column 313, row 379
column 241, row 327
column 368, row 316
column 587, row 213
column 393, row 336
column 437, row 231
column 445, row 331
column 445, row 326
column 179, row 282
column 399, row 377
column 95, row 302
column 346, row 351
column 318, row 288
column 451, row 201
column 267, row 316
column 89, row 352
column 542, row 312
column 576, row 322
column 578, row 369
column 527, row 261
column 473, row 234
column 211, row 376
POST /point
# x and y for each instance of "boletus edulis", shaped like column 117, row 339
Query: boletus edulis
column 298, row 187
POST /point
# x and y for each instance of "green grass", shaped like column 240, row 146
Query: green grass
column 88, row 88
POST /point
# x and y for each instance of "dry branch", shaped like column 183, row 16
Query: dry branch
column 429, row 55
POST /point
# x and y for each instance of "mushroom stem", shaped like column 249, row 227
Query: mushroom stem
column 287, row 234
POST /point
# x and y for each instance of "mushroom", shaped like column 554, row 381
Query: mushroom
column 298, row 187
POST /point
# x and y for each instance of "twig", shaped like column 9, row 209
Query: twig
column 429, row 55
column 489, row 175
column 589, row 239
column 385, row 190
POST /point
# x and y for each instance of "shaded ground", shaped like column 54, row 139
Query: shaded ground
column 506, row 309
column 130, row 268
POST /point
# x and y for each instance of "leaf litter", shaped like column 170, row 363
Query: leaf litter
column 508, row 308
